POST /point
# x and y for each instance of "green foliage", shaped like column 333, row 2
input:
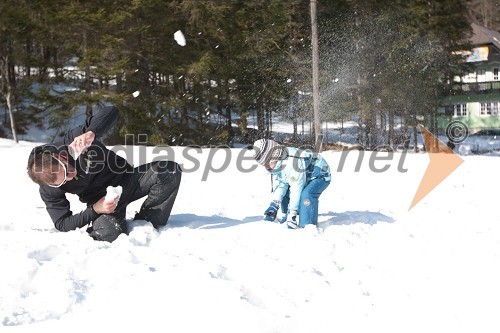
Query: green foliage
column 221, row 138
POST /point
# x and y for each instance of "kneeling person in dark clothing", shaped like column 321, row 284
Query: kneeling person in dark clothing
column 82, row 165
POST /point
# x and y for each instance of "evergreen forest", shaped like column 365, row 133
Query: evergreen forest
column 385, row 64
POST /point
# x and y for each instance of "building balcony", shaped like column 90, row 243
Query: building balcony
column 473, row 88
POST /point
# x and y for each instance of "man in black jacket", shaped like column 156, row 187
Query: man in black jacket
column 81, row 165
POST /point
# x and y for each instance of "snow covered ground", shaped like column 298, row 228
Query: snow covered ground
column 370, row 266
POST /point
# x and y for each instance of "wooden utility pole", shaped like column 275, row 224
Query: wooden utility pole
column 315, row 63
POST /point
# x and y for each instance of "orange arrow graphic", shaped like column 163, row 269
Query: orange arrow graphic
column 443, row 161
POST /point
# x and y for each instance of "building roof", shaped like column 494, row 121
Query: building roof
column 482, row 36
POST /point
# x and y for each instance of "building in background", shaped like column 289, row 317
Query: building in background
column 475, row 98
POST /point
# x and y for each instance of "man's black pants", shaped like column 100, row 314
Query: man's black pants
column 158, row 180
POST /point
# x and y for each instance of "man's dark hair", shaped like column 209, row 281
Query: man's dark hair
column 42, row 168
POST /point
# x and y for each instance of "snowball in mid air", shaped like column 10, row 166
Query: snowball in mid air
column 179, row 38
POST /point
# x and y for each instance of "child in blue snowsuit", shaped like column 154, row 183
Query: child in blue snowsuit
column 299, row 178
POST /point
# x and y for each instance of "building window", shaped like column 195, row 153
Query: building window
column 485, row 109
column 455, row 110
column 460, row 110
column 449, row 110
column 495, row 74
column 481, row 75
column 494, row 108
column 490, row 109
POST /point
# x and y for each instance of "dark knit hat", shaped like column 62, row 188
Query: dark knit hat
column 267, row 150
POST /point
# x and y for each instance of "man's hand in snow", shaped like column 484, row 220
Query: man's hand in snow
column 104, row 206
